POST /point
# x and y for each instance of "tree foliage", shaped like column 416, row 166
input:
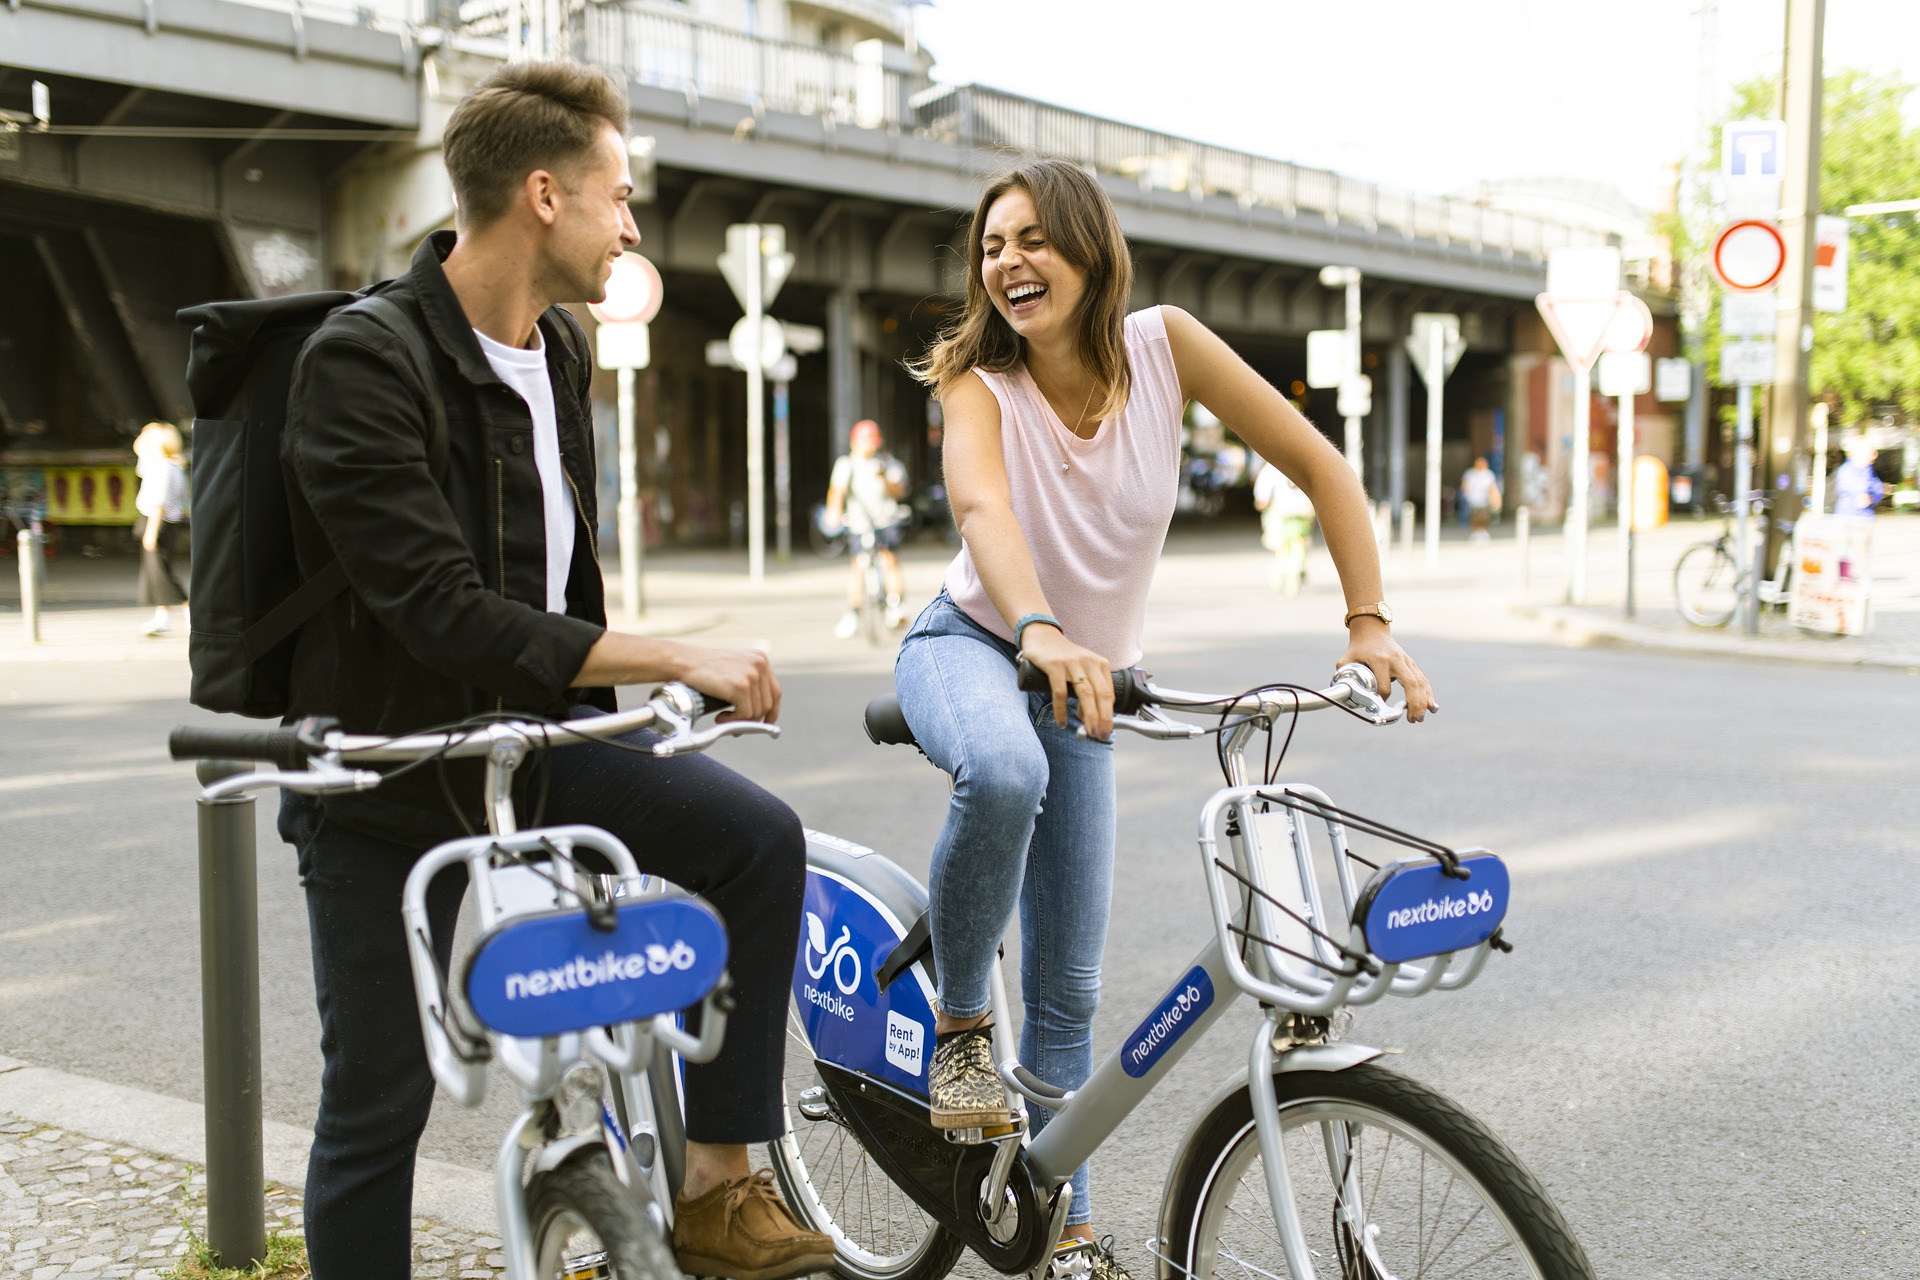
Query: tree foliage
column 1866, row 360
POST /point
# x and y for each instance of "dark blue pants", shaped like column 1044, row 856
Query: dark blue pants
column 690, row 819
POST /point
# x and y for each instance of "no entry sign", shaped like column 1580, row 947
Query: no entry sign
column 1749, row 255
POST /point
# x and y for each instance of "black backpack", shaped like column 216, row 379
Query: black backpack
column 249, row 600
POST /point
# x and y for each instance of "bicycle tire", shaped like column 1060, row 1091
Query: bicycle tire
column 582, row 1209
column 834, row 1186
column 1706, row 585
column 1402, row 1136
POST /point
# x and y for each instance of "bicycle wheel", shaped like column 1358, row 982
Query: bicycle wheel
column 588, row 1224
column 1706, row 583
column 830, row 1181
column 873, row 603
column 1423, row 1190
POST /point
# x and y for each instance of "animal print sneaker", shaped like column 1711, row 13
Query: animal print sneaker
column 962, row 1088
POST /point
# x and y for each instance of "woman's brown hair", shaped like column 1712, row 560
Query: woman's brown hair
column 1077, row 217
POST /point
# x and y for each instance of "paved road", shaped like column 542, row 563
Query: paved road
column 1704, row 1043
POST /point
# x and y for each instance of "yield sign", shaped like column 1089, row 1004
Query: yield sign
column 1579, row 325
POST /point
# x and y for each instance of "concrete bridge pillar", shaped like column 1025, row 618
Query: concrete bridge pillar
column 843, row 366
column 1399, row 370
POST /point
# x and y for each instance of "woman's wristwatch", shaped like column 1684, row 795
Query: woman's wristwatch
column 1380, row 611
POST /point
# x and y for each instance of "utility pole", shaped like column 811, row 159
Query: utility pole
column 1780, row 463
column 755, row 265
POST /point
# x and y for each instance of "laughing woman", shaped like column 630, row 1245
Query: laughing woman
column 1062, row 462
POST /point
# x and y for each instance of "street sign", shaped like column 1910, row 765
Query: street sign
column 751, row 244
column 1579, row 325
column 1356, row 397
column 1420, row 345
column 1753, row 149
column 1329, row 353
column 623, row 346
column 1830, row 264
column 1749, row 315
column 1584, row 272
column 1749, row 255
column 1746, row 362
column 634, row 292
column 746, row 354
column 1625, row 373
column 1632, row 325
column 1672, row 379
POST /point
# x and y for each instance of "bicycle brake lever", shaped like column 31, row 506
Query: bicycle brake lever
column 700, row 740
column 1154, row 727
column 317, row 779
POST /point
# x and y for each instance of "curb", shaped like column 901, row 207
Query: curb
column 176, row 1128
column 1583, row 628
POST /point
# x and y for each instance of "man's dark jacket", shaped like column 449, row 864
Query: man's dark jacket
column 445, row 613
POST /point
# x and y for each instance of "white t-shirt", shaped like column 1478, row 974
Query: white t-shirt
column 163, row 489
column 864, row 481
column 526, row 372
column 1477, row 486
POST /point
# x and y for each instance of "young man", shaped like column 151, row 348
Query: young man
column 477, row 591
column 863, row 496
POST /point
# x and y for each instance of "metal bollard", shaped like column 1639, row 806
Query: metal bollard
column 230, row 1023
column 33, row 572
column 1406, row 526
column 1522, row 537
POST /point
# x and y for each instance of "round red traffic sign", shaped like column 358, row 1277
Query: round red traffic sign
column 1631, row 327
column 1749, row 255
column 634, row 292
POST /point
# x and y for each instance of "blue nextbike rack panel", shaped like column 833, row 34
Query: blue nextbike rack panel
column 545, row 974
column 1412, row 910
column 845, row 936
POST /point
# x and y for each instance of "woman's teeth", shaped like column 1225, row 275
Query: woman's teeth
column 1025, row 294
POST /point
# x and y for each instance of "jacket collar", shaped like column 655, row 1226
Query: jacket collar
column 447, row 320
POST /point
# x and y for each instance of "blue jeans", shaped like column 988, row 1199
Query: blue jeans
column 1031, row 820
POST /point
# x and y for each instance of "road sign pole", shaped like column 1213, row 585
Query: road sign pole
column 756, row 423
column 1623, row 491
column 1576, row 522
column 1743, row 560
column 1436, row 388
column 1354, row 440
column 632, row 539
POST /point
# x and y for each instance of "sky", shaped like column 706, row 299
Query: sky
column 1429, row 95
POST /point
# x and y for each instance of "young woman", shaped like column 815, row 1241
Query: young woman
column 161, row 504
column 1062, row 463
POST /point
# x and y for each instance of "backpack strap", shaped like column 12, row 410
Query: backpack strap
column 330, row 579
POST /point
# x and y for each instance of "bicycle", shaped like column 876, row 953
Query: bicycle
column 580, row 966
column 1320, row 1164
column 1708, row 583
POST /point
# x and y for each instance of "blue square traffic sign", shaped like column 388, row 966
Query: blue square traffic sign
column 1753, row 149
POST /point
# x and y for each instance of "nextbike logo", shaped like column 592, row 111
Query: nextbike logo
column 609, row 967
column 841, row 958
column 1437, row 909
column 1191, row 997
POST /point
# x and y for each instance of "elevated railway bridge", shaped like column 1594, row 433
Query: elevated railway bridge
column 208, row 148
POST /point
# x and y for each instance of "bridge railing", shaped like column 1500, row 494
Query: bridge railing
column 678, row 52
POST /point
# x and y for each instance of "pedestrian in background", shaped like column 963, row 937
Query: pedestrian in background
column 863, row 497
column 162, row 504
column 1481, row 492
column 1857, row 489
column 1286, row 522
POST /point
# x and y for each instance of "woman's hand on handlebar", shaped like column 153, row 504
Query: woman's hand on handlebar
column 742, row 677
column 1076, row 672
column 1372, row 646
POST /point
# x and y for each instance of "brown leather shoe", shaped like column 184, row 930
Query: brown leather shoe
column 744, row 1230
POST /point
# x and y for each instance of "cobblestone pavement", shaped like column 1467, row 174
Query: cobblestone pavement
column 74, row 1208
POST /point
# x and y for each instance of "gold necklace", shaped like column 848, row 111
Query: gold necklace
column 1065, row 464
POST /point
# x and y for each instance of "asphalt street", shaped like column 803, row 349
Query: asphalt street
column 1704, row 1043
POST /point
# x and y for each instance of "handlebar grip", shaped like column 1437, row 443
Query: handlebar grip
column 289, row 746
column 1129, row 686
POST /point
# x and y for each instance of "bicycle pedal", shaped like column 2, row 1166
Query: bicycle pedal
column 972, row 1137
column 814, row 1105
column 588, row 1266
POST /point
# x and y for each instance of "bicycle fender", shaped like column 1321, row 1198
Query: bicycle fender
column 1318, row 1057
column 554, row 1154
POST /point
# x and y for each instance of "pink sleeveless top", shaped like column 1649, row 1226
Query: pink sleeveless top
column 1095, row 531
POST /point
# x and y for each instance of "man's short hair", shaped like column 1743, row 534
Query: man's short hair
column 525, row 116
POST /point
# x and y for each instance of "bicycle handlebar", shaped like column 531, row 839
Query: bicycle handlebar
column 1352, row 688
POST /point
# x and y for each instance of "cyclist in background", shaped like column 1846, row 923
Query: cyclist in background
column 1286, row 521
column 864, row 498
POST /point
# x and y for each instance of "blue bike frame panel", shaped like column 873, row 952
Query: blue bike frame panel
column 551, row 973
column 1414, row 909
column 846, row 935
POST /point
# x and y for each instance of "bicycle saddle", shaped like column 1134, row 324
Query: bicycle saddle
column 886, row 725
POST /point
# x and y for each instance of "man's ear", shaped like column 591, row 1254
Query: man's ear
column 542, row 193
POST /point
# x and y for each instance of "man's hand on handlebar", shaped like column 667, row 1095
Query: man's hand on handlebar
column 1372, row 646
column 741, row 677
column 1072, row 672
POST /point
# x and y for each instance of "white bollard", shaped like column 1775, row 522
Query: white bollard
column 1406, row 526
column 1522, row 535
column 31, row 574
